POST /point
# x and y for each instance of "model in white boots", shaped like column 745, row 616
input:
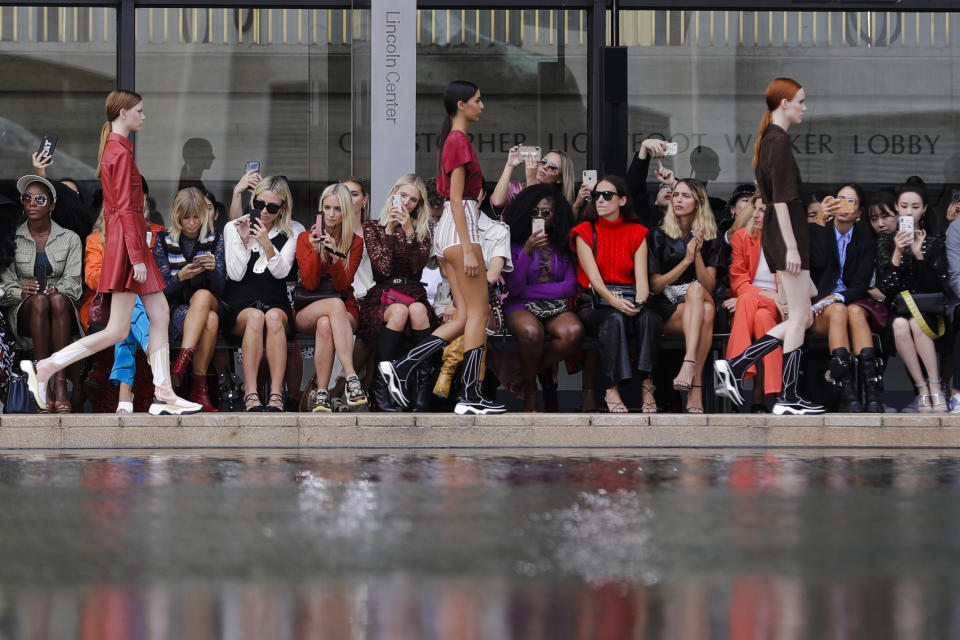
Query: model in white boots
column 128, row 266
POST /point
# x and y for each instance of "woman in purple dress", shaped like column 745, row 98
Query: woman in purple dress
column 543, row 281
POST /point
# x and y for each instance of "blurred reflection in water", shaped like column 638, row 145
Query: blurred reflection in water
column 477, row 546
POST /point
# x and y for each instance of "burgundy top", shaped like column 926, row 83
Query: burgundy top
column 458, row 152
column 125, row 230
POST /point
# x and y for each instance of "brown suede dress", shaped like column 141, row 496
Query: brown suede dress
column 779, row 180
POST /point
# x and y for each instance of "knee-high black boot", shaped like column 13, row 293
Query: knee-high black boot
column 790, row 402
column 871, row 380
column 388, row 341
column 471, row 401
column 841, row 370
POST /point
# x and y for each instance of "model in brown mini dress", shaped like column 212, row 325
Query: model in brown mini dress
column 786, row 247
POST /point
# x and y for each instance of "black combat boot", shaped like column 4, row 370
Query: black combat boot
column 841, row 370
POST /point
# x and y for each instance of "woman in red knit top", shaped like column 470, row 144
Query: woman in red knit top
column 333, row 319
column 612, row 251
column 129, row 269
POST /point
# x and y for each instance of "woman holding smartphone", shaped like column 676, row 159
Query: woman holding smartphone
column 553, row 168
column 786, row 248
column 260, row 250
column 128, row 269
column 191, row 258
column 457, row 241
column 399, row 246
column 328, row 256
column 912, row 261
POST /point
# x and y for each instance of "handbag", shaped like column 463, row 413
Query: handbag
column 676, row 293
column 917, row 305
column 19, row 399
column 547, row 309
column 392, row 296
column 98, row 313
column 229, row 392
column 303, row 297
column 877, row 313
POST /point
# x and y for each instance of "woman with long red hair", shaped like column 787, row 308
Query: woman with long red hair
column 129, row 269
column 786, row 248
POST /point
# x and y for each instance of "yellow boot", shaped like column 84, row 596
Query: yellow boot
column 452, row 356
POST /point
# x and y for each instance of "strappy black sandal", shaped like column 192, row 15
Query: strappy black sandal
column 251, row 398
column 648, row 407
column 272, row 408
column 684, row 386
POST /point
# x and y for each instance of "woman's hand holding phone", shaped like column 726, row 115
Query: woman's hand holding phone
column 513, row 157
column 535, row 242
column 916, row 246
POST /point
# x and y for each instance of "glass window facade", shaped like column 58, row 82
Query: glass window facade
column 56, row 66
column 880, row 91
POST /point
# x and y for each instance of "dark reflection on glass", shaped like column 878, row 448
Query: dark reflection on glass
column 402, row 545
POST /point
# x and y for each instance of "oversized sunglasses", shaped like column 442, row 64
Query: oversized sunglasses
column 606, row 195
column 546, row 164
column 40, row 199
column 541, row 213
column 272, row 208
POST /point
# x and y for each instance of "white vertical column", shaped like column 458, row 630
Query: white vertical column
column 393, row 95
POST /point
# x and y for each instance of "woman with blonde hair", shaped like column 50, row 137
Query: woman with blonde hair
column 128, row 270
column 555, row 168
column 399, row 246
column 683, row 270
column 260, row 250
column 191, row 258
column 328, row 258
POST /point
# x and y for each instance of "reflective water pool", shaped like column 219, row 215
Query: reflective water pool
column 427, row 545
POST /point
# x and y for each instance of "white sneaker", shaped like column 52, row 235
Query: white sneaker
column 955, row 403
column 179, row 407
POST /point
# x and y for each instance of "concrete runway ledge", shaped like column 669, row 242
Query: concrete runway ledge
column 512, row 430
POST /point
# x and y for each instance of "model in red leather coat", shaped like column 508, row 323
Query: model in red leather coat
column 125, row 227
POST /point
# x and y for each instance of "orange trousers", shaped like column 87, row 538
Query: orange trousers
column 754, row 316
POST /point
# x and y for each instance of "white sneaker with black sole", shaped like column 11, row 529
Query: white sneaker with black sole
column 482, row 407
column 798, row 407
column 729, row 385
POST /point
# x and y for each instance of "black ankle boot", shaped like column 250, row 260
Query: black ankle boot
column 426, row 377
column 841, row 370
column 380, row 397
column 871, row 380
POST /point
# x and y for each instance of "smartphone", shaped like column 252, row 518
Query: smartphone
column 823, row 304
column 844, row 205
column 254, row 217
column 252, row 165
column 527, row 151
column 40, row 275
column 956, row 195
column 48, row 144
column 397, row 201
column 539, row 224
column 590, row 178
column 905, row 223
column 318, row 229
column 671, row 149
column 323, row 223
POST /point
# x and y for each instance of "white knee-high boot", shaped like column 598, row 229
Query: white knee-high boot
column 160, row 365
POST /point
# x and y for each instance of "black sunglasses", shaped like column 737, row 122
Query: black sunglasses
column 272, row 208
column 40, row 199
column 541, row 213
column 549, row 165
column 606, row 195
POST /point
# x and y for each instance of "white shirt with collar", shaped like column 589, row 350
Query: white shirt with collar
column 237, row 255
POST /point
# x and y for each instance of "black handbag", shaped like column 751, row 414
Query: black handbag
column 919, row 306
column 303, row 297
column 229, row 392
column 19, row 398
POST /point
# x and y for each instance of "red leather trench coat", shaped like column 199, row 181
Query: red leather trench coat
column 125, row 229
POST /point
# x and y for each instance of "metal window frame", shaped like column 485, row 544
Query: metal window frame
column 597, row 37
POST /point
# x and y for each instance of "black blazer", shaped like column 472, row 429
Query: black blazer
column 825, row 261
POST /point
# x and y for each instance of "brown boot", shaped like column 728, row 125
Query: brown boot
column 199, row 393
column 452, row 356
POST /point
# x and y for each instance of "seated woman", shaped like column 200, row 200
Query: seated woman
column 191, row 258
column 554, row 168
column 328, row 258
column 754, row 302
column 683, row 271
column 842, row 261
column 915, row 262
column 260, row 252
column 542, row 282
column 42, row 285
column 612, row 253
column 399, row 246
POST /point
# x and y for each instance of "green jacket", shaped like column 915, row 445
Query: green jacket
column 65, row 255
